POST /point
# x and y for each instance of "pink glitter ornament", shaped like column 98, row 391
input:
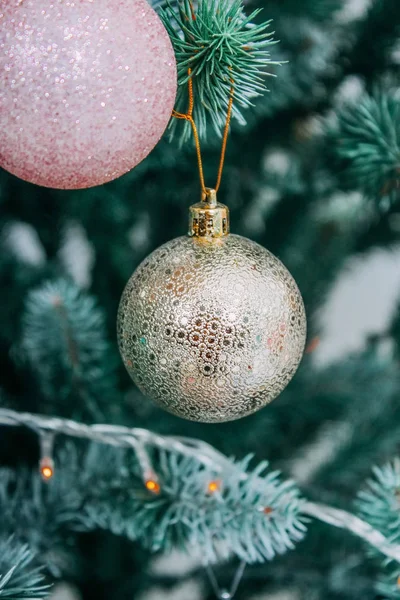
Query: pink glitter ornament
column 86, row 88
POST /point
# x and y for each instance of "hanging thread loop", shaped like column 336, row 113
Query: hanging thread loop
column 188, row 116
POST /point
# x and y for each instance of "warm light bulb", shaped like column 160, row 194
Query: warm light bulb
column 214, row 486
column 46, row 468
column 47, row 472
column 153, row 486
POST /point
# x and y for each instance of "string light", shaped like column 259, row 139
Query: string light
column 214, row 486
column 46, row 468
column 149, row 476
column 46, row 463
column 224, row 594
column 119, row 436
column 153, row 486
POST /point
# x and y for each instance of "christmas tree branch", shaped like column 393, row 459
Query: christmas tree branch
column 366, row 146
column 116, row 435
column 378, row 503
column 206, row 455
column 216, row 42
column 19, row 577
column 64, row 342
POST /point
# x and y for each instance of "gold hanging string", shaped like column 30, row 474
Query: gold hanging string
column 189, row 117
column 225, row 139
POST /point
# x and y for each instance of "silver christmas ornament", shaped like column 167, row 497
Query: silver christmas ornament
column 211, row 326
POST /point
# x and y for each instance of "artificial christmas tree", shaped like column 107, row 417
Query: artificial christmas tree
column 95, row 479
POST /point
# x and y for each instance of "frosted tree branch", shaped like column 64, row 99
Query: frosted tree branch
column 135, row 438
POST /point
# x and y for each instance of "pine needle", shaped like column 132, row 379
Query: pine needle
column 219, row 43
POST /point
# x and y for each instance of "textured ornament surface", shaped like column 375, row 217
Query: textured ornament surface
column 211, row 331
column 86, row 88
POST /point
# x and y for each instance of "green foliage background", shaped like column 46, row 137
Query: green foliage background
column 333, row 194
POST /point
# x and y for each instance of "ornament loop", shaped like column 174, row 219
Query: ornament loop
column 209, row 196
column 188, row 116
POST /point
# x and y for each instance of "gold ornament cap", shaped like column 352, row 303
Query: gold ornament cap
column 208, row 219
